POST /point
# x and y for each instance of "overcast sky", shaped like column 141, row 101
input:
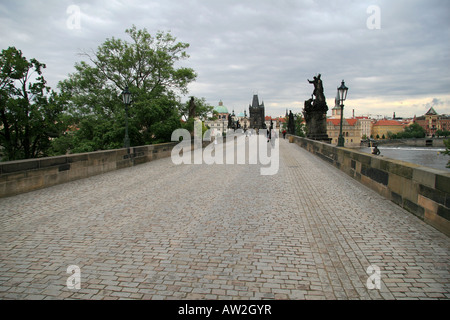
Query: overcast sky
column 393, row 55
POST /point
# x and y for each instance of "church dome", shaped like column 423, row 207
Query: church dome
column 221, row 108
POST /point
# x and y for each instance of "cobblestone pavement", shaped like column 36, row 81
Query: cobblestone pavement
column 161, row 231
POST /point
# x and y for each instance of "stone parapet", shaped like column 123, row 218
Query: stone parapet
column 423, row 191
column 27, row 175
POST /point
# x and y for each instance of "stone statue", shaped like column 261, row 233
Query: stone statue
column 318, row 88
column 192, row 108
column 291, row 123
column 315, row 112
column 307, row 110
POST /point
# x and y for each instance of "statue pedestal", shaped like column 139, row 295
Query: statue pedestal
column 316, row 122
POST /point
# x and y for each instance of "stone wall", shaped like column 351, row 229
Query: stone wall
column 26, row 175
column 423, row 191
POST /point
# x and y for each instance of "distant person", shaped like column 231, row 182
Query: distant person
column 376, row 151
column 284, row 134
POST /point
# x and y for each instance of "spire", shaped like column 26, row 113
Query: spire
column 255, row 102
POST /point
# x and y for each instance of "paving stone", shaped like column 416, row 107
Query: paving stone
column 161, row 231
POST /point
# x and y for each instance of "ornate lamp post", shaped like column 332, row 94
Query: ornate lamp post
column 126, row 96
column 342, row 94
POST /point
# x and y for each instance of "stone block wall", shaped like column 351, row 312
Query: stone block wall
column 423, row 191
column 26, row 175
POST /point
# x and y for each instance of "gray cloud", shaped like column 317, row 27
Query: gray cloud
column 270, row 47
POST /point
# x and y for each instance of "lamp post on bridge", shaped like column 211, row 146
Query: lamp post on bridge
column 126, row 96
column 342, row 93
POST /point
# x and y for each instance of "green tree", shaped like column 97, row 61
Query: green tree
column 284, row 125
column 416, row 130
column 442, row 133
column 214, row 116
column 29, row 111
column 202, row 109
column 412, row 131
column 300, row 126
column 148, row 66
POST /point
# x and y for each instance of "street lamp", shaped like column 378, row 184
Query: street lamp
column 342, row 94
column 126, row 96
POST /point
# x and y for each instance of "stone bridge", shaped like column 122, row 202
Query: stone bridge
column 164, row 231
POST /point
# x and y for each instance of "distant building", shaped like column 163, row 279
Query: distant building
column 386, row 127
column 432, row 122
column 280, row 122
column 394, row 117
column 243, row 119
column 336, row 111
column 268, row 120
column 354, row 129
column 257, row 114
column 220, row 125
column 351, row 130
column 221, row 110
column 366, row 126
